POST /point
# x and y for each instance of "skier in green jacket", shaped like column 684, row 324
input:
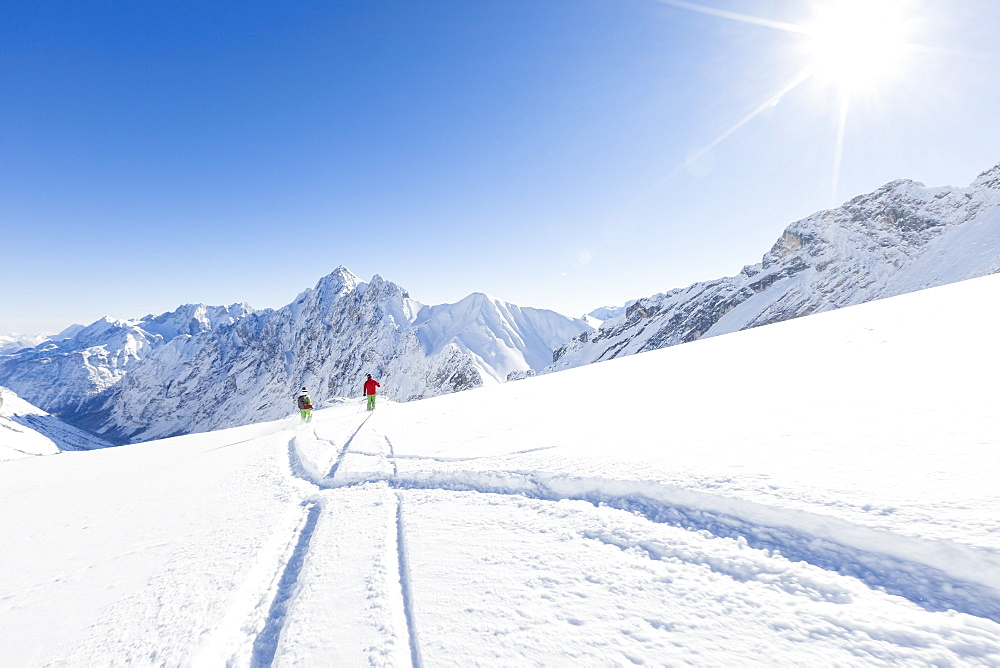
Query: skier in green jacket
column 305, row 405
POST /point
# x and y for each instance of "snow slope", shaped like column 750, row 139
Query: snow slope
column 900, row 238
column 26, row 430
column 817, row 492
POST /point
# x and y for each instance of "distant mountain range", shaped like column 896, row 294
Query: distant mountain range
column 900, row 238
column 63, row 372
column 201, row 368
column 207, row 367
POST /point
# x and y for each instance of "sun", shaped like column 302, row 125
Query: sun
column 857, row 43
column 850, row 47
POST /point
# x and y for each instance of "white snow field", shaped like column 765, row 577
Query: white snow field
column 817, row 492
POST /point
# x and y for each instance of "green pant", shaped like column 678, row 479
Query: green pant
column 307, row 414
column 371, row 402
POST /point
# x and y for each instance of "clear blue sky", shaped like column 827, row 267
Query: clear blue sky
column 158, row 153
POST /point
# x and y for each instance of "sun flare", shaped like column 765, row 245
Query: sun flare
column 852, row 48
column 854, row 43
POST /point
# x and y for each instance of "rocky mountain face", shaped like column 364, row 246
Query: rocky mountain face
column 64, row 372
column 173, row 374
column 900, row 238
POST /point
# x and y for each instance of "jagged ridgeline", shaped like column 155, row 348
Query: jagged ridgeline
column 202, row 368
column 900, row 238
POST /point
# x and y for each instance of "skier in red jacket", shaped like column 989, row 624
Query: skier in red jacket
column 370, row 386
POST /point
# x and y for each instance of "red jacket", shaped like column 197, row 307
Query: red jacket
column 370, row 386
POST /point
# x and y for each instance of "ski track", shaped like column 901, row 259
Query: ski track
column 392, row 457
column 787, row 532
column 901, row 569
column 266, row 643
column 347, row 446
column 268, row 640
column 923, row 584
column 404, row 582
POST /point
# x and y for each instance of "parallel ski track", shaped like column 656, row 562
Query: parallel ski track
column 921, row 583
column 925, row 585
column 347, row 446
column 266, row 643
column 404, row 583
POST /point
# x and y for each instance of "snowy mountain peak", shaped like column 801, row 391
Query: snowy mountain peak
column 385, row 289
column 477, row 300
column 105, row 330
column 501, row 338
column 331, row 288
column 150, row 378
column 989, row 179
column 193, row 319
column 340, row 280
column 902, row 237
column 64, row 372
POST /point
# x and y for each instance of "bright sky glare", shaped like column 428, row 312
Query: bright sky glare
column 563, row 155
column 858, row 42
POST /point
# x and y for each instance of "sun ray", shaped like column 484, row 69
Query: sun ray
column 735, row 16
column 838, row 152
column 767, row 104
column 770, row 102
column 850, row 46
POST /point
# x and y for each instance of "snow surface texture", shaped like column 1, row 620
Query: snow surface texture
column 157, row 377
column 817, row 492
column 26, row 431
column 901, row 238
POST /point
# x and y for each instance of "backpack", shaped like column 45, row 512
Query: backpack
column 303, row 402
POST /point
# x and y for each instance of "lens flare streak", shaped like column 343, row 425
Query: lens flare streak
column 838, row 153
column 735, row 16
column 767, row 104
column 850, row 44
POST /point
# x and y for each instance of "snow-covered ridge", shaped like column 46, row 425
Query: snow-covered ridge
column 10, row 343
column 202, row 367
column 902, row 237
column 67, row 370
column 499, row 336
column 327, row 340
column 26, row 431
